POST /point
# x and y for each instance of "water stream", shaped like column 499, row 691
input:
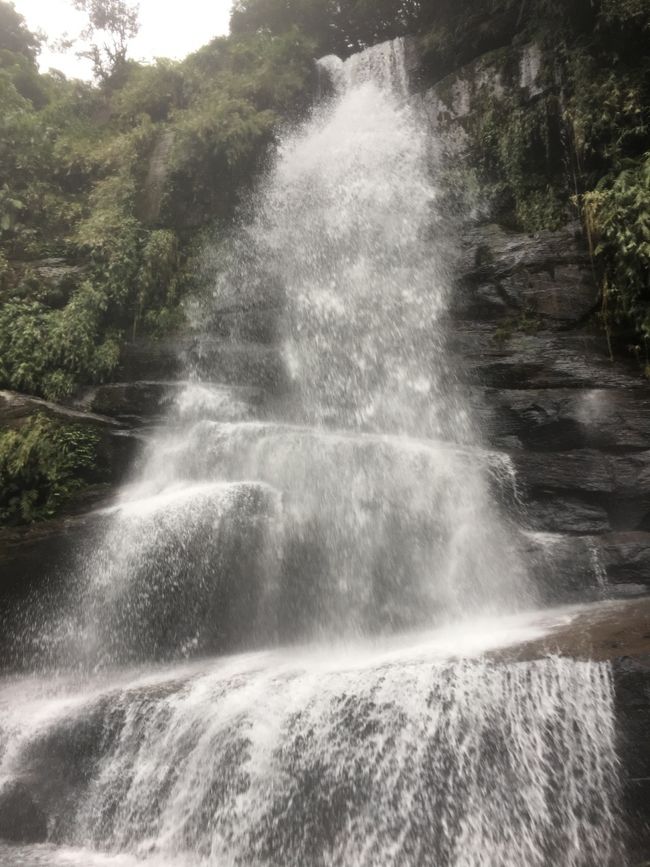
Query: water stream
column 340, row 564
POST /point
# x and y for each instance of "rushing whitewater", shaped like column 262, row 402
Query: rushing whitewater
column 325, row 535
column 387, row 512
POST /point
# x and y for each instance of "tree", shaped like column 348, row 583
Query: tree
column 111, row 24
column 338, row 26
column 14, row 35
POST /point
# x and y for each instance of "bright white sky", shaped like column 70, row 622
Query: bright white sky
column 168, row 28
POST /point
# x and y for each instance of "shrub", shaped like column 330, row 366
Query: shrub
column 41, row 465
column 618, row 216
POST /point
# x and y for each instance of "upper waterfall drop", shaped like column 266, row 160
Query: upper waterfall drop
column 347, row 221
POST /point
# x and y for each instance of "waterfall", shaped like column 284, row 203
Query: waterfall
column 325, row 541
column 363, row 761
column 387, row 513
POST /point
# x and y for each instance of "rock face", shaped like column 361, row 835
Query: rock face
column 575, row 423
column 451, row 103
column 21, row 820
column 632, row 682
column 154, row 187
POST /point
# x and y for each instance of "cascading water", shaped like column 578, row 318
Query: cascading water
column 367, row 511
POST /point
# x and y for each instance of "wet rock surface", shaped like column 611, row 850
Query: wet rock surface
column 452, row 103
column 618, row 632
column 32, row 555
column 16, row 409
column 575, row 423
column 632, row 682
column 21, row 819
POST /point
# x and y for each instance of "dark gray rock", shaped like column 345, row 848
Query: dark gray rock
column 585, row 471
column 564, row 294
column 567, row 515
column 506, row 357
column 257, row 323
column 491, row 252
column 632, row 690
column 132, row 399
column 16, row 409
column 545, row 292
column 146, row 359
column 565, row 568
column 560, row 418
column 234, row 363
column 545, row 278
column 229, row 362
column 30, row 554
column 568, row 566
column 140, row 402
column 157, row 176
column 21, row 819
column 626, row 557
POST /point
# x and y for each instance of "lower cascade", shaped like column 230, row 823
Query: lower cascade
column 289, row 642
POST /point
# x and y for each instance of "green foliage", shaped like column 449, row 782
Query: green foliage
column 154, row 91
column 618, row 216
column 236, row 92
column 626, row 13
column 607, row 108
column 527, row 323
column 515, row 151
column 15, row 37
column 41, row 465
column 49, row 352
column 76, row 173
column 608, row 115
